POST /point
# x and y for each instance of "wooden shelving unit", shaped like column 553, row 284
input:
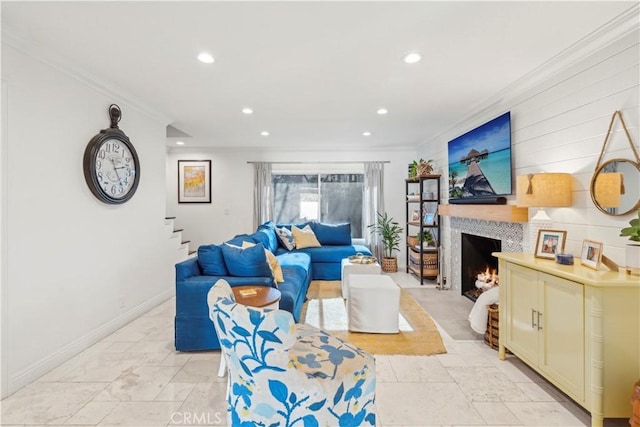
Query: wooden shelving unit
column 423, row 262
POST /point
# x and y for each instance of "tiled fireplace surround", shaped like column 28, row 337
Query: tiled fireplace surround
column 511, row 234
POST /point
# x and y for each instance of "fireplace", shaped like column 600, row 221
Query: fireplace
column 511, row 235
column 478, row 267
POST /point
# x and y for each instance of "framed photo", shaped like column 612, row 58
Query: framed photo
column 550, row 243
column 429, row 218
column 415, row 216
column 591, row 254
column 194, row 181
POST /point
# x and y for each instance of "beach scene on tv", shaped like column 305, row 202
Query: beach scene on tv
column 480, row 161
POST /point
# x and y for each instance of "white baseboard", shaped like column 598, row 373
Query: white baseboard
column 46, row 364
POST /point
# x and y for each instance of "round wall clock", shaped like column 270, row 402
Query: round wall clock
column 111, row 165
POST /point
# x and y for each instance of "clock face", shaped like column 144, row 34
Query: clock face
column 111, row 167
column 110, row 164
column 115, row 168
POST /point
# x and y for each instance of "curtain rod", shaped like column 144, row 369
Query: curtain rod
column 316, row 163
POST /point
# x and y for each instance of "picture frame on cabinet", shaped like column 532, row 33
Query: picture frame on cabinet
column 591, row 254
column 550, row 243
column 415, row 216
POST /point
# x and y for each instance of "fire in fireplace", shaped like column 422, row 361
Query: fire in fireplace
column 479, row 269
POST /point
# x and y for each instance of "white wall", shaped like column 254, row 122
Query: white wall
column 559, row 125
column 232, row 188
column 76, row 268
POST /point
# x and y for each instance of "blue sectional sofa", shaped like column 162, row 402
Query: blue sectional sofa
column 195, row 276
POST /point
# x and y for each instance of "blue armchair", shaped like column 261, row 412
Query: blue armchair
column 288, row 374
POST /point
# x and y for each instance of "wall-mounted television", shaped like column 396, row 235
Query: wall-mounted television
column 480, row 162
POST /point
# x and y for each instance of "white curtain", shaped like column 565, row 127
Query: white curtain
column 373, row 203
column 262, row 193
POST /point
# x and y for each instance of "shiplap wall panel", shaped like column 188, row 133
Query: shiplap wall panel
column 559, row 125
column 614, row 54
column 604, row 78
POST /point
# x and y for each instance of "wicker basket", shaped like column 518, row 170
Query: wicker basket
column 424, row 168
column 389, row 265
column 429, row 263
column 413, row 241
column 492, row 335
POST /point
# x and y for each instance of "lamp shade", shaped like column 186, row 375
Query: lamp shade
column 608, row 188
column 544, row 190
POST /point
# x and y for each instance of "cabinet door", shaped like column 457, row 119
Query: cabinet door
column 521, row 316
column 562, row 334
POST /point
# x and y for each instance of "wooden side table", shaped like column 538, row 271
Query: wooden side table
column 264, row 297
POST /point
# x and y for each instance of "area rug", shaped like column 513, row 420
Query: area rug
column 325, row 309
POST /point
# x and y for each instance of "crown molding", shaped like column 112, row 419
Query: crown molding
column 67, row 66
column 284, row 148
column 619, row 27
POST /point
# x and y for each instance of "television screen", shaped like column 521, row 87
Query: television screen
column 480, row 161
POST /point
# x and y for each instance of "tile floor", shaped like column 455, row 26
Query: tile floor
column 135, row 378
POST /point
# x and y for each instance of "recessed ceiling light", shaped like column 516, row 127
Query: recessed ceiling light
column 179, row 143
column 412, row 58
column 366, row 133
column 264, row 133
column 247, row 111
column 383, row 111
column 205, row 57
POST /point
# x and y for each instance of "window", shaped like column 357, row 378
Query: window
column 326, row 197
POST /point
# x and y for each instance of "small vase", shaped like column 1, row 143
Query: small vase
column 632, row 259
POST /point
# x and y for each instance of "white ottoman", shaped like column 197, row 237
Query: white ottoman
column 374, row 304
column 349, row 269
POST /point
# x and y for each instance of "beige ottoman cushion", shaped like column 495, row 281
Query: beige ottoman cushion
column 349, row 269
column 374, row 304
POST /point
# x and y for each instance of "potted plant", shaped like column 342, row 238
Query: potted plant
column 426, row 238
column 633, row 249
column 390, row 233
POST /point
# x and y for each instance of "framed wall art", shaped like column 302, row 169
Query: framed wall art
column 591, row 254
column 550, row 243
column 194, row 181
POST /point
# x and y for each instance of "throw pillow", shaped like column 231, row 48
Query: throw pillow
column 211, row 260
column 250, row 262
column 304, row 238
column 269, row 229
column 286, row 238
column 239, row 238
column 332, row 234
column 274, row 264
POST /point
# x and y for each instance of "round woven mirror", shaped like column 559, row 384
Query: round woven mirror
column 615, row 187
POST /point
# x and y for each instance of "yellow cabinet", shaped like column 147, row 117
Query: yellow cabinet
column 545, row 324
column 577, row 327
column 561, row 323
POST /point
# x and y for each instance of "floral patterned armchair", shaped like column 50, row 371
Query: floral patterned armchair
column 287, row 374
